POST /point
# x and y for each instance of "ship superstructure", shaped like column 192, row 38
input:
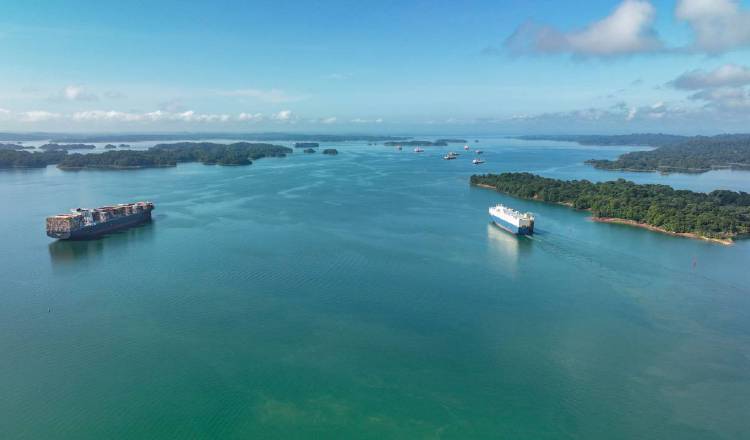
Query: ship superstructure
column 85, row 223
column 511, row 220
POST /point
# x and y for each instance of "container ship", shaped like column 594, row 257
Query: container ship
column 86, row 223
column 512, row 220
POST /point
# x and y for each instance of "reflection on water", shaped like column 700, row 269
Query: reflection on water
column 505, row 248
column 64, row 252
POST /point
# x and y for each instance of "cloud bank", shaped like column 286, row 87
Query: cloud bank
column 723, row 89
column 627, row 30
column 728, row 75
column 717, row 26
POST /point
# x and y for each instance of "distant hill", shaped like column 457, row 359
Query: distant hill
column 644, row 139
column 692, row 155
column 14, row 147
column 54, row 146
column 453, row 141
column 417, row 144
column 168, row 155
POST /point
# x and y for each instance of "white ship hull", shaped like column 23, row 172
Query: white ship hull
column 512, row 220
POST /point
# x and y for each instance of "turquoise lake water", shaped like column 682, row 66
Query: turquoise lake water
column 365, row 296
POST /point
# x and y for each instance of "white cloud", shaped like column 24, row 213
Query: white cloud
column 613, row 116
column 728, row 75
column 155, row 116
column 657, row 110
column 729, row 100
column 111, row 115
column 78, row 93
column 274, row 96
column 251, row 117
column 161, row 116
column 38, row 116
column 627, row 30
column 632, row 113
column 284, row 116
column 367, row 121
column 723, row 89
column 191, row 116
column 717, row 25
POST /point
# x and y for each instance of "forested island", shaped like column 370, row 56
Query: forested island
column 331, row 151
column 162, row 155
column 14, row 147
column 453, row 141
column 25, row 159
column 55, row 146
column 694, row 155
column 721, row 215
column 417, row 144
column 306, row 145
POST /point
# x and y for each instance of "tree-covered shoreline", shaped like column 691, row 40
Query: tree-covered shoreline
column 165, row 155
column 439, row 143
column 25, row 159
column 695, row 155
column 161, row 155
column 56, row 146
column 643, row 139
column 721, row 214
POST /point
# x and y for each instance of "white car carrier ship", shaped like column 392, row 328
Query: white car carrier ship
column 512, row 220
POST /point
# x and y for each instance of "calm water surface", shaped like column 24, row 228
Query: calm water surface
column 365, row 296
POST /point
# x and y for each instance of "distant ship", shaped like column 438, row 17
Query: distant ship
column 479, row 152
column 449, row 156
column 466, row 147
column 86, row 223
column 512, row 220
column 477, row 161
column 418, row 150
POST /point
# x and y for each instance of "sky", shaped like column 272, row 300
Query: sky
column 388, row 67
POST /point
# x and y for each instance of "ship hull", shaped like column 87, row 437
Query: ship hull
column 99, row 229
column 509, row 227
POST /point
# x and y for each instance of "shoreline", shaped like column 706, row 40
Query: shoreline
column 675, row 170
column 622, row 221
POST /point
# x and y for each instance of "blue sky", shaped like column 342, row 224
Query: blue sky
column 389, row 66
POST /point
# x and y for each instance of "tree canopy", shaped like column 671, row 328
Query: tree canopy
column 719, row 214
column 694, row 155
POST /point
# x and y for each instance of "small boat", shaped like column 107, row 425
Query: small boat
column 479, row 151
column 398, row 148
column 477, row 161
column 449, row 157
column 466, row 147
column 453, row 153
column 418, row 150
